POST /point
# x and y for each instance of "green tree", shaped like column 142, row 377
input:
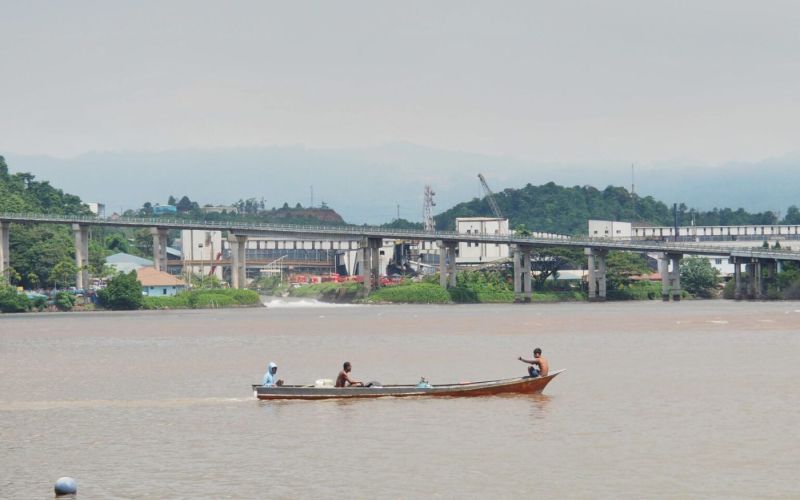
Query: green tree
column 548, row 261
column 11, row 301
column 698, row 276
column 117, row 242
column 792, row 215
column 521, row 230
column 124, row 292
column 64, row 301
column 621, row 267
column 14, row 278
column 63, row 273
column 403, row 224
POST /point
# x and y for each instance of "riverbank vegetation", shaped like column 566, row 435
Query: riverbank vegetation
column 124, row 292
column 210, row 298
column 785, row 285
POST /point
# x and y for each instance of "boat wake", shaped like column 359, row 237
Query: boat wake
column 11, row 406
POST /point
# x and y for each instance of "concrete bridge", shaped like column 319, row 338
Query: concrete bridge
column 370, row 240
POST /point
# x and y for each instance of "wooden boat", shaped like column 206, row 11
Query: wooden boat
column 519, row 385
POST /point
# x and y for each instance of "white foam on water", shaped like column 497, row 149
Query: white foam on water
column 301, row 304
column 719, row 321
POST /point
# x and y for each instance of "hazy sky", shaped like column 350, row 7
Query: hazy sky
column 706, row 81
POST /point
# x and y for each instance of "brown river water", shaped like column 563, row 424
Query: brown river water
column 678, row 400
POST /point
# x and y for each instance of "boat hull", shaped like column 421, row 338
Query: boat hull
column 520, row 385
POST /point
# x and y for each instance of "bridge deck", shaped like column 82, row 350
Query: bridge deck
column 360, row 232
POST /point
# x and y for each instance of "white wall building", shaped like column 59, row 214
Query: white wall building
column 204, row 247
column 610, row 229
column 472, row 252
column 752, row 232
column 99, row 209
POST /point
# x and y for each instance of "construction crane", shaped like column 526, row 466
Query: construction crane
column 490, row 196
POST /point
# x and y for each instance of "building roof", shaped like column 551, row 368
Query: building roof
column 120, row 258
column 148, row 276
column 476, row 219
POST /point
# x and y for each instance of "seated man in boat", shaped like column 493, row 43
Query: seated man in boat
column 269, row 377
column 344, row 380
column 539, row 365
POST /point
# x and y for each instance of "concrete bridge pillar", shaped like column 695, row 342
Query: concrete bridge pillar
column 676, row 276
column 601, row 274
column 772, row 274
column 375, row 245
column 81, row 232
column 451, row 264
column 526, row 274
column 366, row 262
column 738, row 290
column 591, row 279
column 517, row 272
column 447, row 263
column 670, row 278
column 751, row 279
column 758, row 266
column 5, row 256
column 442, row 264
column 772, row 270
column 371, row 263
column 596, row 273
column 159, row 248
column 238, row 244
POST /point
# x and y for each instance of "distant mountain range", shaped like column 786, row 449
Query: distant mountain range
column 367, row 185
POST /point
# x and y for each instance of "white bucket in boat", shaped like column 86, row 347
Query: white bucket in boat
column 323, row 382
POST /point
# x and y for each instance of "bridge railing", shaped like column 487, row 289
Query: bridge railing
column 262, row 226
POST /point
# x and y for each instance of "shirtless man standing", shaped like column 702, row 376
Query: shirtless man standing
column 539, row 365
column 344, row 380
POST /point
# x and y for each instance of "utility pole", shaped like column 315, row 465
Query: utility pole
column 633, row 193
column 312, row 197
column 398, row 211
column 675, row 215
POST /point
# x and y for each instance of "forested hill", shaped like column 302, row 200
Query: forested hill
column 39, row 251
column 566, row 210
column 21, row 193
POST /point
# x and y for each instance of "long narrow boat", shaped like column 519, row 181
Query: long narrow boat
column 519, row 385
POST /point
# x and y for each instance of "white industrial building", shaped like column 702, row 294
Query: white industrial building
column 610, row 229
column 99, row 209
column 202, row 248
column 472, row 252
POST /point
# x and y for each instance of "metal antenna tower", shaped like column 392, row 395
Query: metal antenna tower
column 427, row 209
column 490, row 196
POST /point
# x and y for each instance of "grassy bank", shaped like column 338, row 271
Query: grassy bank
column 640, row 290
column 329, row 292
column 205, row 299
column 424, row 293
column 411, row 293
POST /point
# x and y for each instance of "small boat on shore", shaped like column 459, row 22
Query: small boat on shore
column 519, row 385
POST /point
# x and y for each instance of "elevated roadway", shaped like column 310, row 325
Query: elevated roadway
column 370, row 238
